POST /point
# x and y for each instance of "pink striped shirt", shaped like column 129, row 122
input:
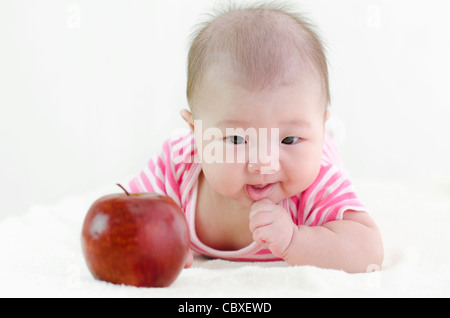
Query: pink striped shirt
column 174, row 172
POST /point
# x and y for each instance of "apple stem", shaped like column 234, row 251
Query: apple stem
column 123, row 189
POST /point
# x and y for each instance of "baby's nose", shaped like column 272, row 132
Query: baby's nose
column 264, row 156
column 258, row 167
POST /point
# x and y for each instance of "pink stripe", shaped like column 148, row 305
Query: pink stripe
column 356, row 205
column 191, row 156
column 184, row 165
column 306, row 194
column 161, row 166
column 257, row 259
column 159, row 183
column 179, row 166
column 332, row 198
column 264, row 251
column 295, row 200
column 188, row 158
column 176, row 141
column 188, row 135
column 331, row 216
column 188, row 165
column 146, row 182
column 196, row 248
column 260, row 256
column 182, row 140
column 293, row 217
column 169, row 178
column 133, row 185
column 319, row 196
column 337, row 202
column 344, row 184
column 293, row 211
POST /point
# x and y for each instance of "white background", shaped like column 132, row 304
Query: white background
column 90, row 88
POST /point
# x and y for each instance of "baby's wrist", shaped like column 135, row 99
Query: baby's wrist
column 292, row 252
column 289, row 248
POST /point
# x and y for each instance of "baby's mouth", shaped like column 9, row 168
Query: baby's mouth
column 258, row 192
column 258, row 186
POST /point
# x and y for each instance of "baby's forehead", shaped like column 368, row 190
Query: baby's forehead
column 222, row 80
column 221, row 97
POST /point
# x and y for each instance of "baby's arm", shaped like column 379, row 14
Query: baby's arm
column 352, row 244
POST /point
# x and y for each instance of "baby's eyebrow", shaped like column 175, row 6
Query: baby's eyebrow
column 296, row 122
column 245, row 123
column 234, row 122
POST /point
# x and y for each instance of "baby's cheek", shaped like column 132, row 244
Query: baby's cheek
column 301, row 174
column 223, row 177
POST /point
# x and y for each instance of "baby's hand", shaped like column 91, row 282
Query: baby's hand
column 271, row 225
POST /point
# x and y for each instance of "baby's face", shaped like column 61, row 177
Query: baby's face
column 262, row 143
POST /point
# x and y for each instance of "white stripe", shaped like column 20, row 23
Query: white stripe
column 181, row 144
column 189, row 180
column 169, row 170
column 336, row 184
column 140, row 186
column 182, row 158
column 312, row 196
column 172, row 192
column 342, row 209
column 293, row 208
column 313, row 215
column 152, row 177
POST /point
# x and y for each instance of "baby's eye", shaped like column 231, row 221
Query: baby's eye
column 237, row 140
column 290, row 140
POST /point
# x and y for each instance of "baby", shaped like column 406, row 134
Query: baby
column 257, row 176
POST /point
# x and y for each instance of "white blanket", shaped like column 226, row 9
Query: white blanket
column 40, row 255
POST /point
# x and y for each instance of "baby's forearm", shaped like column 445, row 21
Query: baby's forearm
column 345, row 244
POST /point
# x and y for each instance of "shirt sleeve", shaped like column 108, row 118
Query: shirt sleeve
column 165, row 171
column 328, row 197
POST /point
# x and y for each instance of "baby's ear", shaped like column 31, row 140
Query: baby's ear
column 187, row 116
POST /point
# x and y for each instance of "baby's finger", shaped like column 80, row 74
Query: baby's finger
column 260, row 219
column 263, row 205
column 260, row 234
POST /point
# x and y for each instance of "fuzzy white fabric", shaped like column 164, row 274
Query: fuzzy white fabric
column 40, row 255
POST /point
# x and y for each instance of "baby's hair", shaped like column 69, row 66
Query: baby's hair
column 260, row 40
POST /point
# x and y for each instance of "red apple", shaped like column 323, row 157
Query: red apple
column 139, row 239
